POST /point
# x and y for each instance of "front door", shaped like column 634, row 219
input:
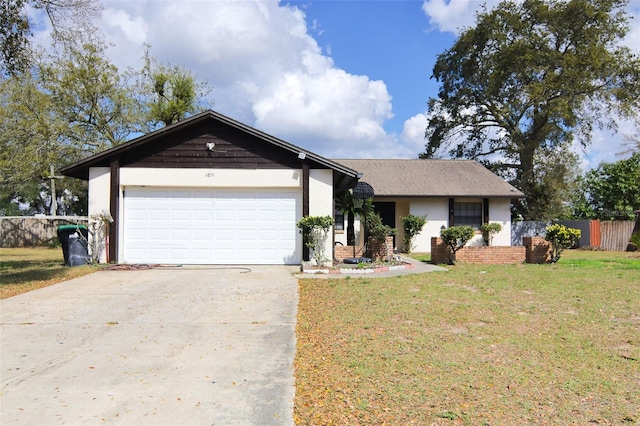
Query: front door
column 387, row 212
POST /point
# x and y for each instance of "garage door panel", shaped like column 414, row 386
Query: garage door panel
column 202, row 214
column 211, row 226
column 158, row 253
column 156, row 235
column 156, row 214
column 246, row 235
column 180, row 236
column 246, row 215
column 137, row 214
column 204, row 235
column 224, row 215
column 266, row 235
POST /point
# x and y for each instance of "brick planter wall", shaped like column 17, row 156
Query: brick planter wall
column 538, row 249
column 535, row 250
column 376, row 251
column 492, row 254
column 343, row 252
column 439, row 251
column 379, row 251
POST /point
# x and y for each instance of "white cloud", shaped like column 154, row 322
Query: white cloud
column 264, row 67
column 633, row 38
column 132, row 28
column 607, row 146
column 412, row 136
column 452, row 15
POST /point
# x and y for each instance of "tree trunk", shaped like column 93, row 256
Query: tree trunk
column 351, row 230
column 528, row 181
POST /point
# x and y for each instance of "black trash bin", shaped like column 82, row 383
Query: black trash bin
column 80, row 246
column 78, row 250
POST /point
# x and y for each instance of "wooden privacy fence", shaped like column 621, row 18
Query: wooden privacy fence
column 28, row 231
column 607, row 235
column 615, row 235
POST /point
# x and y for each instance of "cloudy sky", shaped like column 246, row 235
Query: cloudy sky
column 345, row 79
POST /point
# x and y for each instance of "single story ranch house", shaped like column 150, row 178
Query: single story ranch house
column 211, row 190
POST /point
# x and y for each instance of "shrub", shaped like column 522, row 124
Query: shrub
column 377, row 231
column 455, row 237
column 314, row 229
column 489, row 230
column 560, row 238
column 412, row 226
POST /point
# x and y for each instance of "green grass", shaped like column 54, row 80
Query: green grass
column 27, row 269
column 479, row 344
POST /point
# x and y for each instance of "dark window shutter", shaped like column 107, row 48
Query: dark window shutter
column 485, row 210
column 451, row 211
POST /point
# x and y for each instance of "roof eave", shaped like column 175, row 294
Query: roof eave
column 515, row 196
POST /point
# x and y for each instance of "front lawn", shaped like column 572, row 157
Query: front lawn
column 479, row 344
column 26, row 269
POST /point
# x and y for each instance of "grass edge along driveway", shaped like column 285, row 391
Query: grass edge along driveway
column 479, row 344
column 30, row 268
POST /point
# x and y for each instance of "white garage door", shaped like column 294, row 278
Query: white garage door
column 207, row 226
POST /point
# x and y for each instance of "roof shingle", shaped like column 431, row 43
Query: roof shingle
column 431, row 178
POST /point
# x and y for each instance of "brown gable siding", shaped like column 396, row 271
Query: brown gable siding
column 183, row 145
column 188, row 149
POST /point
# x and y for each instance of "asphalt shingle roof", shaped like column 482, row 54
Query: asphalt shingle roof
column 431, row 178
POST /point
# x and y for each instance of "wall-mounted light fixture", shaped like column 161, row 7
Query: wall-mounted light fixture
column 302, row 155
column 210, row 146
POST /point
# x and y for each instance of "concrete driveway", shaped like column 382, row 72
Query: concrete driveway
column 174, row 346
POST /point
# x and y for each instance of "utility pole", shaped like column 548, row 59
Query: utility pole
column 54, row 201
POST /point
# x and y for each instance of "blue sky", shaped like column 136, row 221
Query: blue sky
column 345, row 79
column 391, row 41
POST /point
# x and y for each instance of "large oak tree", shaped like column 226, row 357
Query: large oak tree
column 518, row 86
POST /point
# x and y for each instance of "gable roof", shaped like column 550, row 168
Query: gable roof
column 431, row 178
column 80, row 169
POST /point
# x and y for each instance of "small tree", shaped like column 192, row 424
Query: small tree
column 455, row 237
column 412, row 226
column 489, row 230
column 560, row 238
column 350, row 206
column 314, row 230
column 377, row 231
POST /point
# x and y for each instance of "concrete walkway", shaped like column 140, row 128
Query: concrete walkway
column 416, row 267
column 179, row 346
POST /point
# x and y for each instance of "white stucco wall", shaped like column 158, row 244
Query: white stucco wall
column 437, row 211
column 500, row 212
column 321, row 201
column 99, row 186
